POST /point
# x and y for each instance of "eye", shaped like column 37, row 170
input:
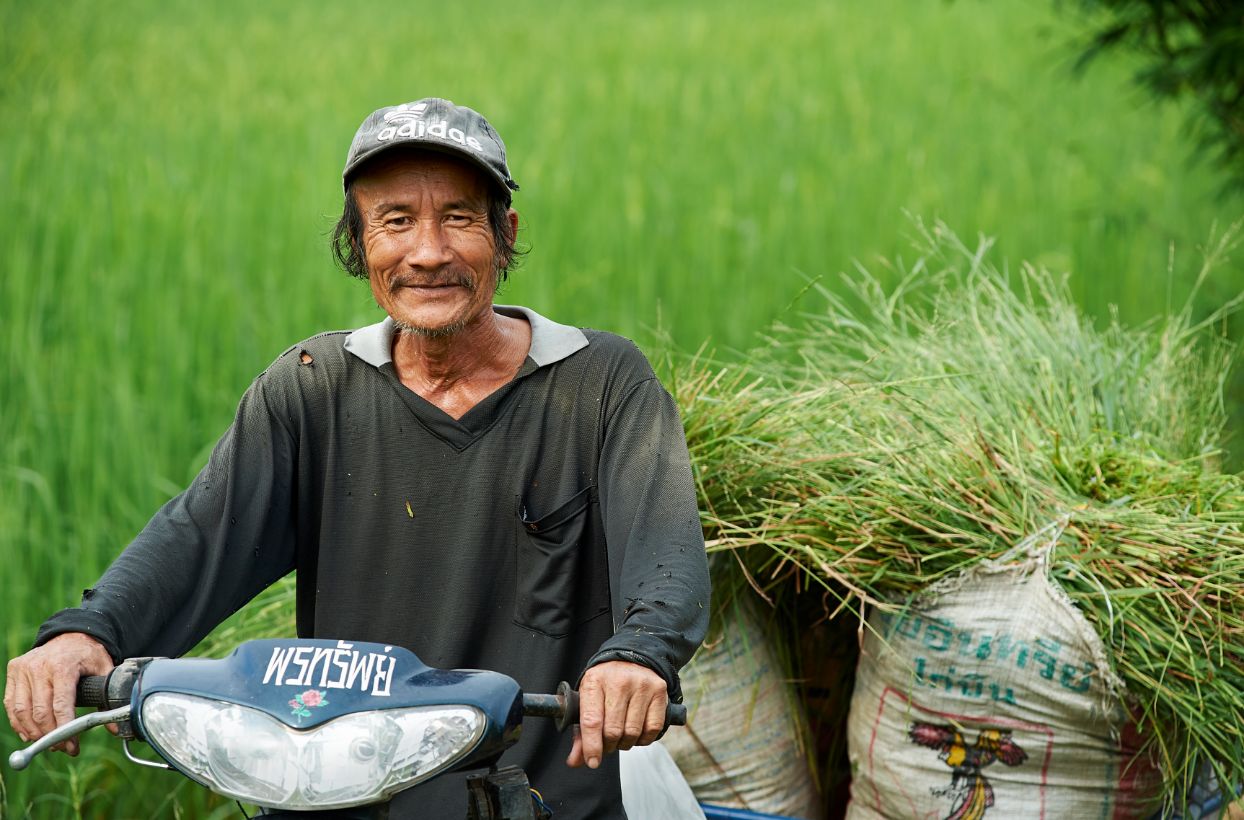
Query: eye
column 397, row 221
column 458, row 218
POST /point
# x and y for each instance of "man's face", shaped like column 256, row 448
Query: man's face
column 427, row 240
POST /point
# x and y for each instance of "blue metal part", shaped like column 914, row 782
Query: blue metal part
column 723, row 813
column 279, row 676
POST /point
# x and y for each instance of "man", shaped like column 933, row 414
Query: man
column 477, row 483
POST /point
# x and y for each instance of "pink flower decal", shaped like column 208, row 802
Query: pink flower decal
column 302, row 704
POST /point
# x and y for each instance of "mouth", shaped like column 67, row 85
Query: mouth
column 434, row 287
column 432, row 293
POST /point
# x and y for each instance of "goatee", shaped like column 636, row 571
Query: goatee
column 431, row 332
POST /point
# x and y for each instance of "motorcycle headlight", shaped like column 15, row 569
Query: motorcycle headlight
column 353, row 760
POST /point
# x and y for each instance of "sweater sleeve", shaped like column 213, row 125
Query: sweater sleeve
column 205, row 553
column 648, row 506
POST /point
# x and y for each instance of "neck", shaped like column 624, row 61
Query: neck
column 488, row 346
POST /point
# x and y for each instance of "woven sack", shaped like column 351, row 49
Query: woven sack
column 741, row 747
column 991, row 696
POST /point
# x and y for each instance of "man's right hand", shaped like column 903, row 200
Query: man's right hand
column 41, row 686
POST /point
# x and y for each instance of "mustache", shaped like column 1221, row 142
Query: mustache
column 444, row 276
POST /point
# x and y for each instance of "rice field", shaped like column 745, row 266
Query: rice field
column 169, row 174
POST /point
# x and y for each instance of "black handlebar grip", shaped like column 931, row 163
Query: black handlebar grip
column 570, row 706
column 93, row 691
column 676, row 714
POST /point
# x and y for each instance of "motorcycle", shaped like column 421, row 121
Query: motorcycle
column 307, row 725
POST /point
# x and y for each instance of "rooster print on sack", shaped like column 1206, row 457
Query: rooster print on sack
column 970, row 791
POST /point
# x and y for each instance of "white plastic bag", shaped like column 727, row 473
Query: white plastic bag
column 653, row 787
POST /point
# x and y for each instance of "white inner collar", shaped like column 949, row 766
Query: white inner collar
column 550, row 342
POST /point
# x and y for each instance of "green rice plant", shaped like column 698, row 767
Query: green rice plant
column 944, row 420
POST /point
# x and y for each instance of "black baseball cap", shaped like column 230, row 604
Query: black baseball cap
column 435, row 124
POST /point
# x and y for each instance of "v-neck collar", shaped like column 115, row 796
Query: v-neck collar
column 458, row 433
column 550, row 343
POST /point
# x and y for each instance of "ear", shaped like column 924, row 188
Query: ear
column 512, row 217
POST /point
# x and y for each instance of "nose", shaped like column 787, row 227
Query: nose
column 429, row 249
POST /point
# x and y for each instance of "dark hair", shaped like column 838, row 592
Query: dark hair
column 348, row 247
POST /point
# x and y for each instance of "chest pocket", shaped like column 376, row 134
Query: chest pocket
column 561, row 570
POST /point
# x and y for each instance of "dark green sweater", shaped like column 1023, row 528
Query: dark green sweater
column 552, row 527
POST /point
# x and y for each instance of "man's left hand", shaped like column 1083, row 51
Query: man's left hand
column 620, row 705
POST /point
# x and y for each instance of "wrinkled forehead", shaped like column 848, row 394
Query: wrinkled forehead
column 418, row 172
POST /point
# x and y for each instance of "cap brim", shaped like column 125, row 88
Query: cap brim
column 354, row 167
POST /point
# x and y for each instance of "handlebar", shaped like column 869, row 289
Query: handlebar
column 110, row 693
column 564, row 708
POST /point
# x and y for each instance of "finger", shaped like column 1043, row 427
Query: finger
column 591, row 720
column 64, row 692
column 635, row 721
column 22, row 695
column 576, row 751
column 9, row 686
column 15, row 698
column 617, row 699
column 41, row 689
column 49, row 706
column 655, row 719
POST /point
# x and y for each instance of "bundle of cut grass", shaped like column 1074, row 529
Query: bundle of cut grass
column 936, row 426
